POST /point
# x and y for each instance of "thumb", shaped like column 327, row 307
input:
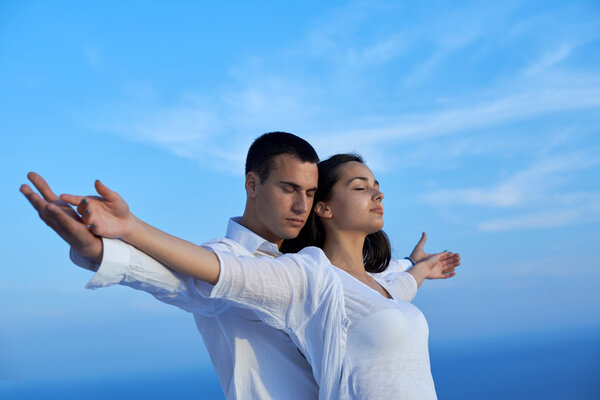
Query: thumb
column 71, row 199
column 422, row 241
column 105, row 192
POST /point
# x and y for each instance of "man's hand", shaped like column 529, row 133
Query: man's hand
column 108, row 214
column 59, row 216
column 418, row 253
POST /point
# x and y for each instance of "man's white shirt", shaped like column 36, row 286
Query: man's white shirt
column 255, row 359
column 251, row 358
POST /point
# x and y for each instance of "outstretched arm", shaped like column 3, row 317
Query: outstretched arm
column 109, row 216
column 61, row 218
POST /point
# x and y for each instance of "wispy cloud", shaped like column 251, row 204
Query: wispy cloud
column 531, row 186
column 545, row 219
column 549, row 59
column 359, row 80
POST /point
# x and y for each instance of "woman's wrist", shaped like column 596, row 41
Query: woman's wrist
column 132, row 228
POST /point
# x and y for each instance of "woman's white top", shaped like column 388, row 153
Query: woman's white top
column 387, row 354
column 359, row 343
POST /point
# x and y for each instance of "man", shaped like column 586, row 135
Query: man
column 252, row 360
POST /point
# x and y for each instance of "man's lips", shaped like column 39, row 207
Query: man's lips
column 297, row 222
column 378, row 210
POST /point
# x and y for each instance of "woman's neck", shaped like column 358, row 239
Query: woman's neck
column 344, row 250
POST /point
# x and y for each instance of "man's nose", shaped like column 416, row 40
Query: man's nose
column 300, row 203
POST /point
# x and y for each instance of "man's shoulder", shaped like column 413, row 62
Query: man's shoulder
column 224, row 244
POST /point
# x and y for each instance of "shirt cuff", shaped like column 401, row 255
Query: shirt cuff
column 116, row 258
column 81, row 261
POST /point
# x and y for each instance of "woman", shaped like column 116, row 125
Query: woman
column 358, row 330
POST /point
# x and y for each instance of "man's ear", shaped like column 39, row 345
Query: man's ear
column 323, row 210
column 252, row 180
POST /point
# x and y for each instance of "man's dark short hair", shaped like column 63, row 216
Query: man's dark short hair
column 268, row 146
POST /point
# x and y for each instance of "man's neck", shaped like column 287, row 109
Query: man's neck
column 251, row 223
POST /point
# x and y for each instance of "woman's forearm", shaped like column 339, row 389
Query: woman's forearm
column 419, row 272
column 178, row 254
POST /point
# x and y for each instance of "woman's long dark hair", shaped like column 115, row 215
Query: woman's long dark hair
column 377, row 251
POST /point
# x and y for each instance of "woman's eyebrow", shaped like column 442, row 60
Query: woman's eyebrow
column 362, row 178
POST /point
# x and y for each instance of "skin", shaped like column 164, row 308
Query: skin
column 355, row 210
column 278, row 208
column 275, row 209
column 61, row 218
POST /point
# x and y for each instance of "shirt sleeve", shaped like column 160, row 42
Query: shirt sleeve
column 285, row 290
column 396, row 265
column 125, row 265
column 401, row 285
column 296, row 293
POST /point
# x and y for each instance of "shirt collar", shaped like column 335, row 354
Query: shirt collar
column 250, row 240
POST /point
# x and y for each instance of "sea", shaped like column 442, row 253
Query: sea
column 549, row 367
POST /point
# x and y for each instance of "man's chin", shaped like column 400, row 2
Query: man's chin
column 290, row 233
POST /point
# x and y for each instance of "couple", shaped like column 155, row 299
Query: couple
column 332, row 321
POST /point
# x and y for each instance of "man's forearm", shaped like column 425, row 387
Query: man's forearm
column 181, row 255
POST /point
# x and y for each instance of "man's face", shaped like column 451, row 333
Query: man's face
column 285, row 198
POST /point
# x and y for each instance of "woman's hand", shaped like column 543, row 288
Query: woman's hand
column 418, row 253
column 436, row 266
column 441, row 265
column 107, row 215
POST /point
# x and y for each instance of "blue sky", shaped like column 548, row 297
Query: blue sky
column 480, row 121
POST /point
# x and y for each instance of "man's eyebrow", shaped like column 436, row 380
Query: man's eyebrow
column 296, row 186
column 362, row 178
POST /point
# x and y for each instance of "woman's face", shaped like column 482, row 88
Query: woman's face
column 355, row 203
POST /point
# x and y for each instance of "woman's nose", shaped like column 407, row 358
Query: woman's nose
column 378, row 194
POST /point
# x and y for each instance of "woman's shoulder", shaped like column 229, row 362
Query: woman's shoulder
column 315, row 252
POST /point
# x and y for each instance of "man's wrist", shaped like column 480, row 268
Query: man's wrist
column 93, row 252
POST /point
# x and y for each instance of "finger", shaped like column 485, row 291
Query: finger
column 448, row 271
column 64, row 222
column 423, row 238
column 422, row 241
column 94, row 229
column 72, row 199
column 444, row 256
column 450, row 262
column 42, row 186
column 35, row 199
column 85, row 217
column 105, row 192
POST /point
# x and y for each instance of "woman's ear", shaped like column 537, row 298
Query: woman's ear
column 251, row 181
column 323, row 210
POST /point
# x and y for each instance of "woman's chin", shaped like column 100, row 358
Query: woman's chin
column 376, row 227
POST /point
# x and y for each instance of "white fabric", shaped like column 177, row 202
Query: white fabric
column 251, row 358
column 386, row 354
column 387, row 342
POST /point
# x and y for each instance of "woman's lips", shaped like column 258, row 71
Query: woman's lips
column 378, row 210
